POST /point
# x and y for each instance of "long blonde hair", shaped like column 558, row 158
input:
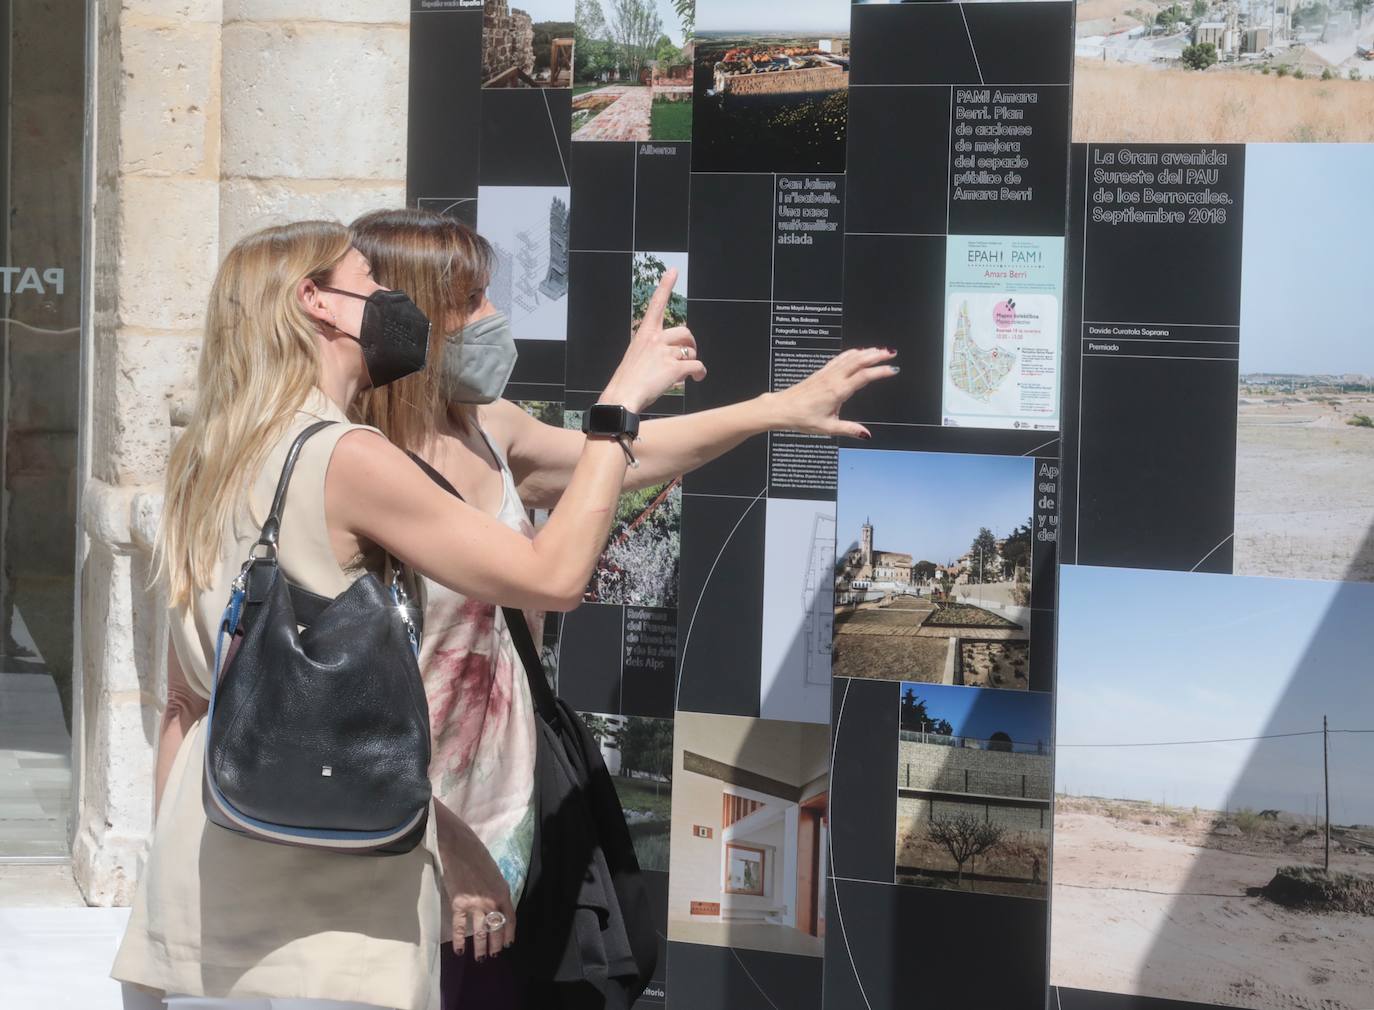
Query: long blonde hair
column 439, row 262
column 258, row 363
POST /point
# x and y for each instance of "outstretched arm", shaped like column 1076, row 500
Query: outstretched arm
column 542, row 456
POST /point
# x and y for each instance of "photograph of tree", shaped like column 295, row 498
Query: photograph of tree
column 640, row 564
column 771, row 86
column 632, row 72
column 973, row 790
column 1214, row 812
column 639, row 755
column 952, row 605
column 528, row 44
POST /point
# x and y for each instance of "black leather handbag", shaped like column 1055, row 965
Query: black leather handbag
column 586, row 936
column 318, row 728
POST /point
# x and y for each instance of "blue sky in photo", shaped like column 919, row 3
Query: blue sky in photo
column 546, row 10
column 1161, row 657
column 1305, row 259
column 774, row 16
column 930, row 504
column 980, row 712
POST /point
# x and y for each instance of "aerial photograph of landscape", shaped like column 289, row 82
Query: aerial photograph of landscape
column 1219, row 71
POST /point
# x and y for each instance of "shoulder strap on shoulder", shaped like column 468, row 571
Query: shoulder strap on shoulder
column 542, row 695
column 272, row 527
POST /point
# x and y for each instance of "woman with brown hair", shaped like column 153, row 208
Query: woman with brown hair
column 504, row 462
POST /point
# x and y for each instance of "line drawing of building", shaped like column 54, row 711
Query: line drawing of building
column 818, row 599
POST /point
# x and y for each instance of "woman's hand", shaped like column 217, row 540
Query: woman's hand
column 814, row 404
column 657, row 359
column 475, row 887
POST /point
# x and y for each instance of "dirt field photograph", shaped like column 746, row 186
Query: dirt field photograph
column 1206, row 72
column 1305, row 403
column 932, row 573
column 1214, row 817
column 973, row 790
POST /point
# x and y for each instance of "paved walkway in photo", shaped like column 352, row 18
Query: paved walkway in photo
column 627, row 118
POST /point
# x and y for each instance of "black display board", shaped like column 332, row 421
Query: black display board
column 1026, row 700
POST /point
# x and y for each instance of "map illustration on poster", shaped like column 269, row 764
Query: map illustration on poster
column 1002, row 330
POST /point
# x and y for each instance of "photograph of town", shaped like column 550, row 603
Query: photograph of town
column 1214, row 812
column 527, row 227
column 632, row 70
column 750, row 831
column 639, row 566
column 1224, row 71
column 1305, row 409
column 770, row 85
column 973, row 790
column 528, row 44
column 932, row 568
column 639, row 755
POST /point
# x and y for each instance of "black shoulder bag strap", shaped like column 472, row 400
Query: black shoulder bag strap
column 540, row 692
column 307, row 606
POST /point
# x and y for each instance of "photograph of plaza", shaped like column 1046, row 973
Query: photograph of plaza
column 1214, row 813
column 632, row 70
column 1223, row 71
column 527, row 44
column 932, row 568
column 750, row 833
column 973, row 790
column 1305, row 406
column 771, row 86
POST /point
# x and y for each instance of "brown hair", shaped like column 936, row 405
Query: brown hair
column 439, row 262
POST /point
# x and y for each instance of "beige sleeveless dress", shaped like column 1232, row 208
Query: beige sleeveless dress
column 220, row 915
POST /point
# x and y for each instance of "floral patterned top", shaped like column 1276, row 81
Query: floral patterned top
column 480, row 713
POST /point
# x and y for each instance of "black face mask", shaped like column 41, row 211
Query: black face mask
column 394, row 335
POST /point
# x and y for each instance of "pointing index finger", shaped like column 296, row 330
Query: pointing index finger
column 658, row 304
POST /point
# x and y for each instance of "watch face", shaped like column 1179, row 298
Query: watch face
column 606, row 419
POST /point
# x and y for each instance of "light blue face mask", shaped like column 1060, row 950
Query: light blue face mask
column 478, row 360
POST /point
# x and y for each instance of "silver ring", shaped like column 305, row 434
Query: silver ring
column 684, row 353
column 494, row 921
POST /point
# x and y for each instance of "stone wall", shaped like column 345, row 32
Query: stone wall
column 507, row 39
column 939, row 768
column 212, row 118
column 828, row 78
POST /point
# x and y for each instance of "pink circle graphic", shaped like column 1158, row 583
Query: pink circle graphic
column 1004, row 314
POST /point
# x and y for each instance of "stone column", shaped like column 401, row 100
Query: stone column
column 315, row 114
column 212, row 118
column 155, row 233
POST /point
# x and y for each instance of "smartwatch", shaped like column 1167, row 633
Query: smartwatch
column 610, row 420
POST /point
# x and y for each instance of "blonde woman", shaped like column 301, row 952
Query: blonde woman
column 503, row 461
column 295, row 330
